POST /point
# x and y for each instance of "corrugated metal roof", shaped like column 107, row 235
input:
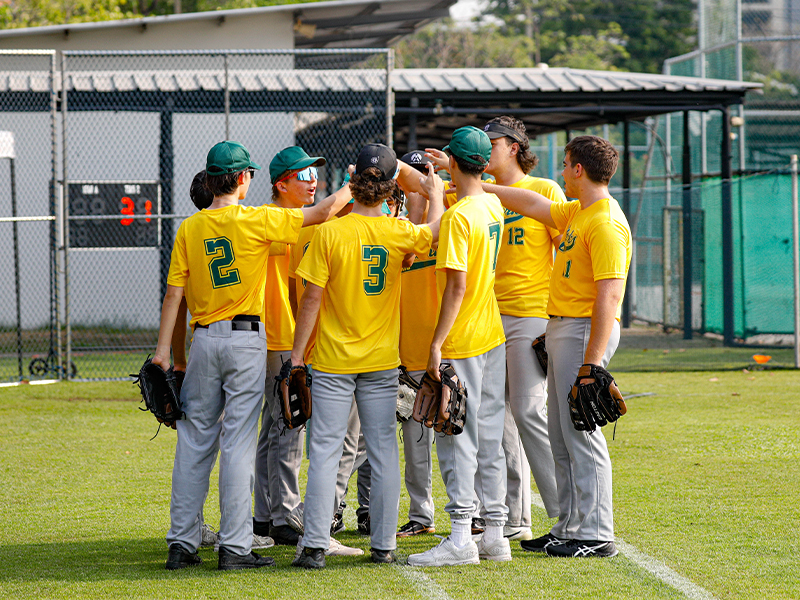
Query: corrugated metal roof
column 552, row 80
column 361, row 80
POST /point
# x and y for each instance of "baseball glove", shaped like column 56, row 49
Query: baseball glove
column 597, row 402
column 541, row 352
column 406, row 394
column 159, row 393
column 293, row 386
column 442, row 405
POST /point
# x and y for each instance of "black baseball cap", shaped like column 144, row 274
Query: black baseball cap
column 497, row 130
column 379, row 156
column 416, row 158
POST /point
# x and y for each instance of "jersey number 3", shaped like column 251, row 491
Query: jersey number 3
column 378, row 259
column 221, row 266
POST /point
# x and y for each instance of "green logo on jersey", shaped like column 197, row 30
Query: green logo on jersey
column 568, row 242
column 378, row 259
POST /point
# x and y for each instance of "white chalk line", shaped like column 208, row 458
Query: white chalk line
column 422, row 584
column 653, row 566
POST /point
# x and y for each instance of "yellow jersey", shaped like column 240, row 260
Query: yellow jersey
column 278, row 318
column 419, row 307
column 596, row 245
column 469, row 240
column 522, row 279
column 357, row 260
column 297, row 253
column 224, row 252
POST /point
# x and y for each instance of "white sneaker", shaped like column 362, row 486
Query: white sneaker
column 260, row 542
column 334, row 549
column 517, row 533
column 499, row 550
column 446, row 554
column 337, row 549
column 295, row 519
column 208, row 537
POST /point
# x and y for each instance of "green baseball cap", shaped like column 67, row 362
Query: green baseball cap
column 470, row 144
column 228, row 157
column 293, row 158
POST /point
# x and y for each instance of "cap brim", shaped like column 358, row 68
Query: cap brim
column 255, row 166
column 311, row 161
column 493, row 135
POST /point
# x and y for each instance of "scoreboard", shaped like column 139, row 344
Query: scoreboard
column 111, row 206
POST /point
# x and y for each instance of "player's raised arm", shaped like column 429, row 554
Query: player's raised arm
column 524, row 202
column 434, row 187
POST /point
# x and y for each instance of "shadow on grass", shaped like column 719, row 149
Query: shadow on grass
column 130, row 560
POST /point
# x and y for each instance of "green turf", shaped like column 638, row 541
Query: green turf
column 705, row 481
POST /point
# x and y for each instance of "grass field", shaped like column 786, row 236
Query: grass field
column 705, row 472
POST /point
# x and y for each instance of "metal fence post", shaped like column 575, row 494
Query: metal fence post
column 796, row 258
column 390, row 99
column 227, row 94
column 56, row 235
column 65, row 371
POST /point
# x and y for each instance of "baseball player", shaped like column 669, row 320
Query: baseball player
column 469, row 335
column 219, row 262
column 586, row 292
column 352, row 268
column 521, row 286
column 293, row 174
column 419, row 304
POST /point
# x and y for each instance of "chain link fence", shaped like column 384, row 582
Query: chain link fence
column 115, row 138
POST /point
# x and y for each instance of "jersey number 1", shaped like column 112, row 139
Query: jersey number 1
column 220, row 267
column 378, row 259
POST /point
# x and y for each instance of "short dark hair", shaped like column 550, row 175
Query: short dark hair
column 220, row 185
column 467, row 167
column 526, row 159
column 597, row 157
column 368, row 190
column 199, row 193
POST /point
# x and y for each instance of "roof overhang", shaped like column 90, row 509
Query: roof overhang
column 547, row 100
column 335, row 24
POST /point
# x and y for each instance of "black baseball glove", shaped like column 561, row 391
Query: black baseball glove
column 442, row 405
column 540, row 349
column 159, row 393
column 595, row 402
column 293, row 387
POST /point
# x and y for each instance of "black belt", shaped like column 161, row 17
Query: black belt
column 239, row 323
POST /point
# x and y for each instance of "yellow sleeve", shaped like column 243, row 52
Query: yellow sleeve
column 314, row 266
column 608, row 248
column 283, row 224
column 420, row 238
column 453, row 243
column 561, row 213
column 179, row 263
column 556, row 194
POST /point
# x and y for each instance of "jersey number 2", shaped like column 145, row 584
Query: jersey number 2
column 378, row 259
column 222, row 273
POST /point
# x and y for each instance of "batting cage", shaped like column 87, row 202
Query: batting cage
column 122, row 134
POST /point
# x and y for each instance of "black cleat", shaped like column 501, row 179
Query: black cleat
column 262, row 527
column 284, row 535
column 583, row 549
column 541, row 544
column 383, row 556
column 413, row 528
column 180, row 558
column 363, row 523
column 337, row 525
column 230, row 561
column 310, row 558
column 478, row 525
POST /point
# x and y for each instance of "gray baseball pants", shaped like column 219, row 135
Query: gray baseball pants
column 354, row 454
column 278, row 456
column 225, row 372
column 376, row 398
column 525, row 439
column 417, row 442
column 473, row 461
column 583, row 465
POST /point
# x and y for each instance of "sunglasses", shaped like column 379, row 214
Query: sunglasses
column 307, row 174
column 252, row 173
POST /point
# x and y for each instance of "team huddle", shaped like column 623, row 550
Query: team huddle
column 457, row 289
